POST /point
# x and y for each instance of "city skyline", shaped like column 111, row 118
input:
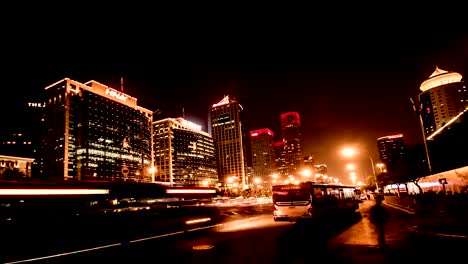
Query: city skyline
column 346, row 93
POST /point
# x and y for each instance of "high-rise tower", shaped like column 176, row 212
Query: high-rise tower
column 290, row 131
column 391, row 148
column 280, row 160
column 444, row 96
column 263, row 155
column 225, row 127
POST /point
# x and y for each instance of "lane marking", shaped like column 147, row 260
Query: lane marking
column 156, row 237
column 131, row 241
column 203, row 227
column 95, row 248
column 66, row 253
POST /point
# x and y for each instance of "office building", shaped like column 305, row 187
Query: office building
column 183, row 154
column 391, row 148
column 95, row 132
column 14, row 168
column 291, row 135
column 22, row 138
column 225, row 127
column 443, row 97
column 263, row 155
column 280, row 160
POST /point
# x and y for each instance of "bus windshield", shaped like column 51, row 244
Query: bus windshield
column 290, row 195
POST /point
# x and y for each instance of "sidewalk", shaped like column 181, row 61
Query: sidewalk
column 437, row 223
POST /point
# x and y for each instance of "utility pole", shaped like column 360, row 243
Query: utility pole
column 417, row 107
column 373, row 173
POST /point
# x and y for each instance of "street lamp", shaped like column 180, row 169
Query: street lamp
column 373, row 173
column 417, row 107
column 152, row 170
column 381, row 167
column 350, row 152
column 306, row 173
column 350, row 166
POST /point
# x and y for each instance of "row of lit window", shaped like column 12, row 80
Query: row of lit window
column 14, row 142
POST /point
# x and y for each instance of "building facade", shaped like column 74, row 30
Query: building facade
column 291, row 134
column 443, row 97
column 183, row 154
column 24, row 138
column 391, row 148
column 21, row 165
column 280, row 160
column 225, row 127
column 95, row 132
column 263, row 155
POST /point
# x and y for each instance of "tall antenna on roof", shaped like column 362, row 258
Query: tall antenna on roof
column 121, row 84
column 183, row 113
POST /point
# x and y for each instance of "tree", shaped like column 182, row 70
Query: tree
column 13, row 173
column 411, row 167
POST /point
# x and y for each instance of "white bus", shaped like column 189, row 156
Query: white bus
column 313, row 200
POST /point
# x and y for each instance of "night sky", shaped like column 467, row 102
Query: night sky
column 350, row 85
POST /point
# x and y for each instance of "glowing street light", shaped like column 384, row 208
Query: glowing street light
column 151, row 171
column 306, row 173
column 350, row 152
column 380, row 166
column 351, row 166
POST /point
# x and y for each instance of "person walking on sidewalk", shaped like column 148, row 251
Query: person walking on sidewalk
column 379, row 216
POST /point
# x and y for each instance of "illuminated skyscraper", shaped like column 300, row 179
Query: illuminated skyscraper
column 291, row 134
column 443, row 98
column 263, row 156
column 391, row 148
column 94, row 132
column 184, row 154
column 280, row 162
column 224, row 125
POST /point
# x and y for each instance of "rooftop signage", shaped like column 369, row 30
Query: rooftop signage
column 224, row 101
column 116, row 94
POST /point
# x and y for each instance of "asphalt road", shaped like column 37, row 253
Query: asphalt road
column 238, row 234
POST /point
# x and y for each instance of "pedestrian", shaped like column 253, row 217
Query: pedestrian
column 379, row 216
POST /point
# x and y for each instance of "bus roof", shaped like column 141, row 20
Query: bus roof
column 313, row 184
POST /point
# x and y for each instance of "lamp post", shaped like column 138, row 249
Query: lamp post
column 349, row 152
column 417, row 106
column 373, row 173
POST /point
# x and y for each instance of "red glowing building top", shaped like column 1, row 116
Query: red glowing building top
column 290, row 119
column 257, row 132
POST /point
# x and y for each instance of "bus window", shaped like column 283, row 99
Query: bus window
column 290, row 195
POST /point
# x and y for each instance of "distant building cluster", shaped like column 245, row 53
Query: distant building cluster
column 92, row 132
